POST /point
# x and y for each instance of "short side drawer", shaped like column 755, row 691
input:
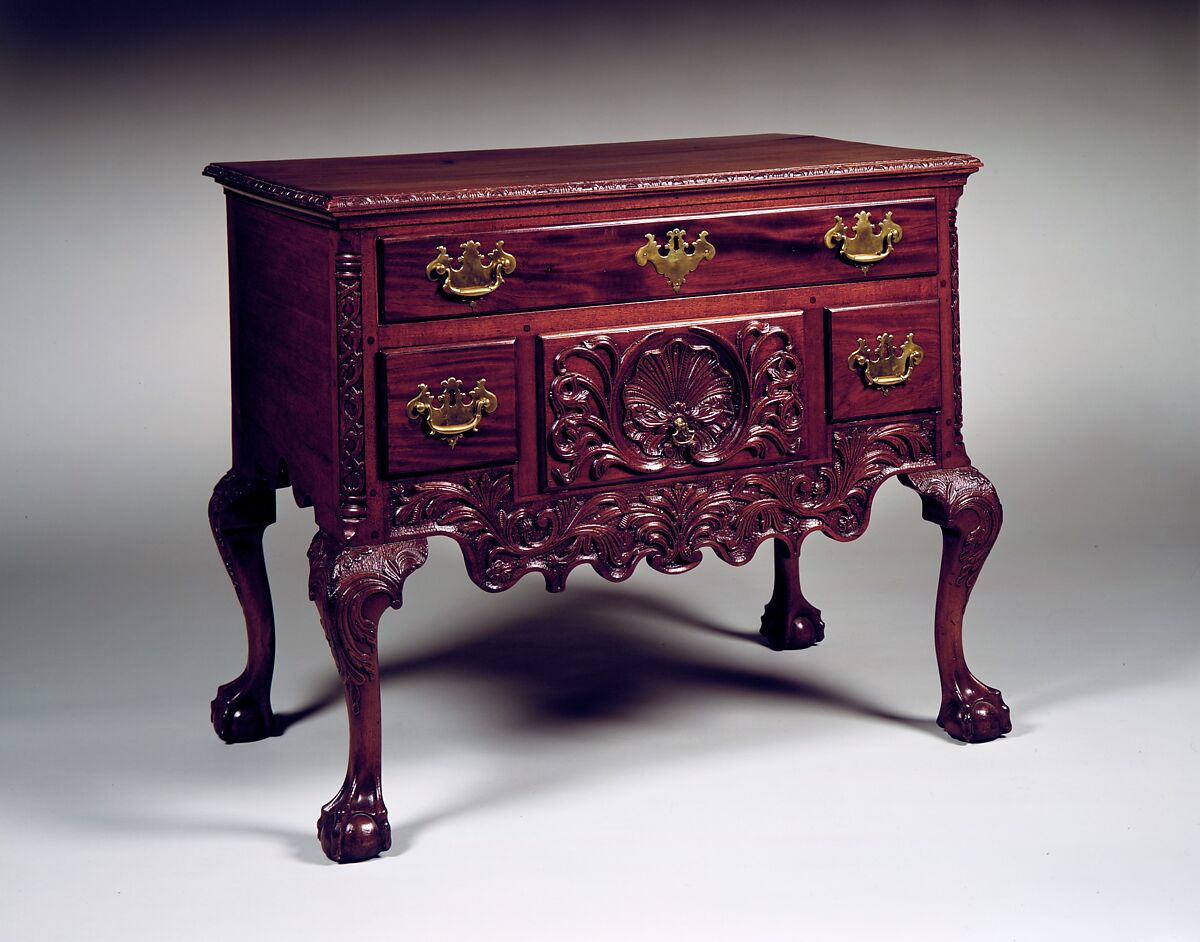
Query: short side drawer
column 871, row 371
column 567, row 266
column 412, row 442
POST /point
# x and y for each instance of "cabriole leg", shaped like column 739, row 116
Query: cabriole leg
column 240, row 510
column 964, row 504
column 790, row 621
column 352, row 587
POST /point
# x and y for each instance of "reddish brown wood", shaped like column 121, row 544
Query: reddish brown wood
column 851, row 397
column 354, row 185
column 673, row 398
column 790, row 621
column 353, row 587
column 410, row 447
column 571, row 265
column 634, row 423
column 964, row 504
column 281, row 300
column 666, row 522
column 240, row 510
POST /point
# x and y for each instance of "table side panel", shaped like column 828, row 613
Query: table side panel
column 281, row 313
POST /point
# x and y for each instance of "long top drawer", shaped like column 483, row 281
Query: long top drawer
column 564, row 266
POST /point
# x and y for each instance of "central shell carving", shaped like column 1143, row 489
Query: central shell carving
column 680, row 402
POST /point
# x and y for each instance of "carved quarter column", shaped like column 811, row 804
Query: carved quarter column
column 955, row 352
column 352, row 587
column 964, row 504
column 352, row 498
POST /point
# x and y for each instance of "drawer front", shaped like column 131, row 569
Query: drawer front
column 672, row 399
column 875, row 368
column 456, row 424
column 566, row 266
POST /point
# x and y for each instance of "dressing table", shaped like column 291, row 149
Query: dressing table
column 596, row 355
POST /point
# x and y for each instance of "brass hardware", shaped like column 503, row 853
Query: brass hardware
column 682, row 433
column 887, row 369
column 456, row 412
column 866, row 246
column 474, row 276
column 678, row 259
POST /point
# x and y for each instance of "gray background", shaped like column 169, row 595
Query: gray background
column 616, row 762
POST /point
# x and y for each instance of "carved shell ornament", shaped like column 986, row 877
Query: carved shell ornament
column 674, row 400
column 679, row 401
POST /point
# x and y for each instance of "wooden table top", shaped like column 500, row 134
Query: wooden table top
column 346, row 185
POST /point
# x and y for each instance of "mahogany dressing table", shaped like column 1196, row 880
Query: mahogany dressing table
column 594, row 355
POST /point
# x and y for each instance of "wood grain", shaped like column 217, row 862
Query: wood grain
column 356, row 185
column 560, row 266
column 635, row 424
column 409, row 447
column 849, row 396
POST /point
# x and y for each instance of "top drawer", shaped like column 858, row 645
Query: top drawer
column 564, row 266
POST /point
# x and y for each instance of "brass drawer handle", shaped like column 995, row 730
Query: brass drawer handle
column 474, row 277
column 866, row 246
column 887, row 369
column 678, row 259
column 456, row 412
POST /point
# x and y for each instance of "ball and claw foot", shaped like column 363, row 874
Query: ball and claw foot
column 349, row 834
column 240, row 714
column 782, row 632
column 977, row 714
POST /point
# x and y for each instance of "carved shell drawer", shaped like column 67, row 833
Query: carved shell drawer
column 601, row 355
column 674, row 398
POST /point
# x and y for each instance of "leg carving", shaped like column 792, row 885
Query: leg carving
column 964, row 504
column 790, row 621
column 353, row 586
column 240, row 510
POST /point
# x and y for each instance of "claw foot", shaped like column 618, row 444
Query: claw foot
column 977, row 714
column 349, row 831
column 241, row 714
column 789, row 633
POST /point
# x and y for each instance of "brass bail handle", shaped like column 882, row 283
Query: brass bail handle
column 677, row 259
column 863, row 246
column 453, row 413
column 888, row 368
column 476, row 274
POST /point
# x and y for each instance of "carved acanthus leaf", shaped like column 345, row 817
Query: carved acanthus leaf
column 665, row 523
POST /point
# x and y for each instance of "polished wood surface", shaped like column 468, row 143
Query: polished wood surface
column 348, row 185
column 560, row 266
column 410, row 447
column 633, row 424
column 852, row 398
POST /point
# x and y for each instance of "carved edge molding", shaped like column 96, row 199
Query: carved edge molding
column 665, row 523
column 352, row 469
column 965, row 501
column 955, row 352
column 347, row 204
column 341, row 580
column 748, row 396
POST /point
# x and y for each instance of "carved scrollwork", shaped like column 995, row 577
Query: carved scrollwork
column 965, row 501
column 667, row 524
column 341, row 580
column 674, row 399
